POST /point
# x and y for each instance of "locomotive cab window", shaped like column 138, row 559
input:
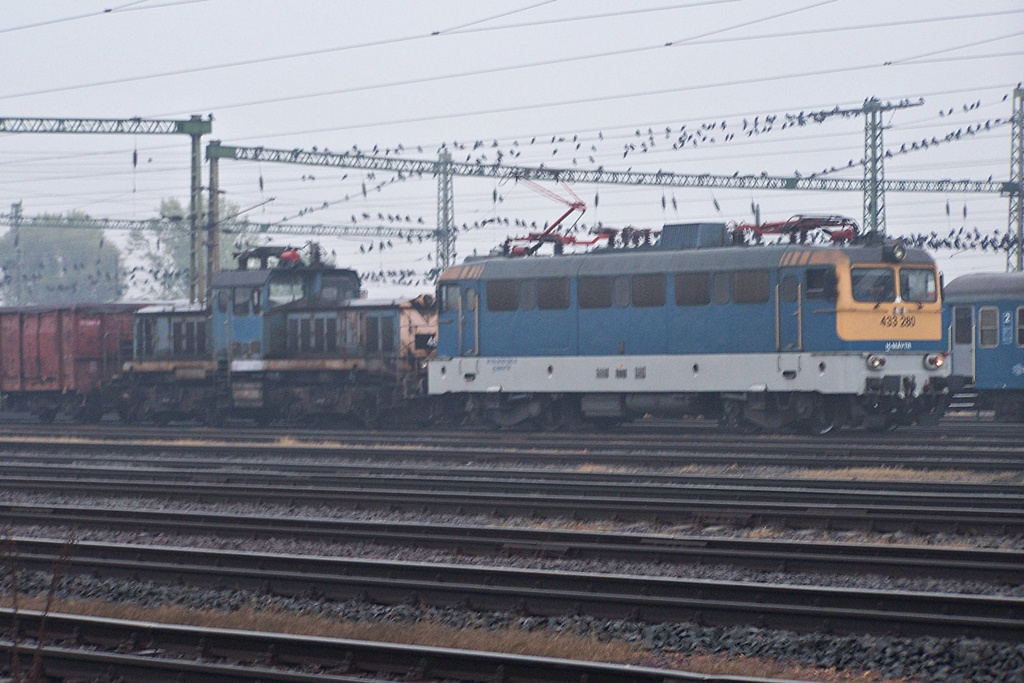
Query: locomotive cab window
column 821, row 284
column 449, row 295
column 284, row 290
column 873, row 285
column 502, row 295
column 469, row 299
column 917, row 285
column 241, row 297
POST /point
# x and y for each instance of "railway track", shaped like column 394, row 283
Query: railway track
column 77, row 647
column 545, row 593
column 966, row 564
column 914, row 449
column 868, row 505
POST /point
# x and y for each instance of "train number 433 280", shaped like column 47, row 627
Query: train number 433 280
column 898, row 321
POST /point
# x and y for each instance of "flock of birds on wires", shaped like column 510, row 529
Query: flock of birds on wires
column 588, row 148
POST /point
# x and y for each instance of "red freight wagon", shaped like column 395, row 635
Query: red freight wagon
column 60, row 360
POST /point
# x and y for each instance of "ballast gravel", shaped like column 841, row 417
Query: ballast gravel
column 924, row 659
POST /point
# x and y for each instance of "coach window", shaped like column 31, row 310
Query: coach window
column 1020, row 326
column 620, row 291
column 821, row 283
column 528, row 294
column 988, row 327
column 750, row 286
column 873, row 285
column 648, row 290
column 917, row 285
column 595, row 292
column 241, row 301
column 962, row 325
column 720, row 287
column 502, row 295
column 553, row 293
column 693, row 289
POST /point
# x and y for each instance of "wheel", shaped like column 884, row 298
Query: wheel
column 828, row 415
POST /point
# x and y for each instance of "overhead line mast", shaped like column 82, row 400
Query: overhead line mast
column 444, row 168
column 195, row 127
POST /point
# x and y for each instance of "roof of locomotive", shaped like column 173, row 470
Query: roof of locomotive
column 258, row 277
column 980, row 287
column 648, row 259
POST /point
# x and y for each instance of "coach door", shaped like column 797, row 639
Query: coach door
column 469, row 326
column 963, row 341
column 789, row 296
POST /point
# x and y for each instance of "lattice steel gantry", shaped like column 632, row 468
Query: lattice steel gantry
column 195, row 127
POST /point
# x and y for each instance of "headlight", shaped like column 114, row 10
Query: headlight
column 876, row 362
column 897, row 251
column 934, row 361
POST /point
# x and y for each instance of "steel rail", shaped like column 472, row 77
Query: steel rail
column 548, row 593
column 526, row 480
column 162, row 652
column 885, row 512
column 744, row 452
column 966, row 564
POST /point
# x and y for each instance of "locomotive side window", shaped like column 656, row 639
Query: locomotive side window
column 283, row 291
column 373, row 334
column 821, row 283
column 147, row 337
column 553, row 293
column 595, row 292
column 873, row 285
column 917, row 284
column 693, row 289
column 241, row 297
column 720, row 284
column 222, row 301
column 962, row 332
column 502, row 295
column 1020, row 326
column 620, row 291
column 528, row 295
column 649, row 290
column 387, row 334
column 469, row 299
column 789, row 288
column 257, row 300
column 750, row 286
column 988, row 327
column 449, row 297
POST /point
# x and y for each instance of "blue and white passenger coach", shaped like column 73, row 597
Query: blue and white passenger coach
column 788, row 336
column 986, row 313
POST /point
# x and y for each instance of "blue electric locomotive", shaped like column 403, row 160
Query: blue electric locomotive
column 986, row 314
column 784, row 336
column 284, row 339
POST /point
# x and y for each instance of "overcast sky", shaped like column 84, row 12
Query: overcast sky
column 615, row 84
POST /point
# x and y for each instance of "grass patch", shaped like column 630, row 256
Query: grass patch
column 510, row 641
